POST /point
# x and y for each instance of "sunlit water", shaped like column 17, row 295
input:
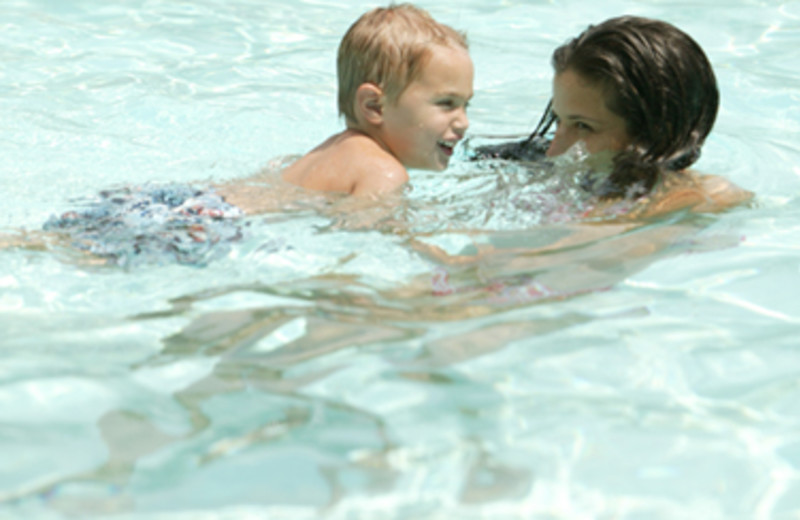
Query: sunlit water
column 326, row 365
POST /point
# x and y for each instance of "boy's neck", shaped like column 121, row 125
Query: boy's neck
column 371, row 132
column 356, row 128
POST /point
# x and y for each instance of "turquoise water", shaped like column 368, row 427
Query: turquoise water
column 316, row 371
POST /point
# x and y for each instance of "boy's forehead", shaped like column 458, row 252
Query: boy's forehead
column 449, row 68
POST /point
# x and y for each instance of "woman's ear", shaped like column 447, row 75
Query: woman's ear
column 369, row 103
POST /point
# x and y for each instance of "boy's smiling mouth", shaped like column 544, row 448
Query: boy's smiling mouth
column 447, row 146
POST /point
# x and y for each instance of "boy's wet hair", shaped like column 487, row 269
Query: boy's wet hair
column 659, row 80
column 388, row 47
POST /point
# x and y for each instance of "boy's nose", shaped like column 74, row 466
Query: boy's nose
column 461, row 123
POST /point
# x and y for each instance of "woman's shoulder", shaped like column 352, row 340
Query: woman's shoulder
column 722, row 193
column 695, row 191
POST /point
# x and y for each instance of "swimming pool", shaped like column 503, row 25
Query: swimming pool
column 315, row 370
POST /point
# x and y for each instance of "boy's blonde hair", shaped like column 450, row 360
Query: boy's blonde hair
column 388, row 47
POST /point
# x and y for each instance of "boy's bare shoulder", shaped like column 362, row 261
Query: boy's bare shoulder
column 371, row 168
column 348, row 162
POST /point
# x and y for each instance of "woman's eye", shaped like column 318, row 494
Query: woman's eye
column 583, row 127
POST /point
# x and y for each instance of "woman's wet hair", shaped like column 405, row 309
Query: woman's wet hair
column 659, row 80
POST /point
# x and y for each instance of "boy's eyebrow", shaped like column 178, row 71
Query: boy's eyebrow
column 455, row 94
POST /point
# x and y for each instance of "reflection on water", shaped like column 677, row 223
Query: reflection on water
column 329, row 393
column 323, row 396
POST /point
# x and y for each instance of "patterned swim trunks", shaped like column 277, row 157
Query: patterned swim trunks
column 152, row 225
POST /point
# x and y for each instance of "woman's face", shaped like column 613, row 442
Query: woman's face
column 583, row 115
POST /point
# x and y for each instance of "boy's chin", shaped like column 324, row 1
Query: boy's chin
column 433, row 164
column 437, row 167
column 440, row 164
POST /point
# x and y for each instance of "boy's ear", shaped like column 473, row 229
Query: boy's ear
column 369, row 103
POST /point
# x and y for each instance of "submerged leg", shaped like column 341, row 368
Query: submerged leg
column 34, row 240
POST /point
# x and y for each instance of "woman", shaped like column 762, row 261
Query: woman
column 645, row 90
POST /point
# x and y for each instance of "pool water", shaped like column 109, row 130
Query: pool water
column 327, row 365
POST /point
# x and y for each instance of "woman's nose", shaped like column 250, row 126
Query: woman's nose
column 556, row 145
column 563, row 138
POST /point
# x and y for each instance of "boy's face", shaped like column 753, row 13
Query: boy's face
column 422, row 126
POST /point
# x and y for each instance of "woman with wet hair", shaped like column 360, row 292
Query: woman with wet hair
column 644, row 90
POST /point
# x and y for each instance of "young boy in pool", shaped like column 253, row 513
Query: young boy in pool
column 404, row 84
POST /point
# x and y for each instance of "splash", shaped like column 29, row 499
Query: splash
column 500, row 194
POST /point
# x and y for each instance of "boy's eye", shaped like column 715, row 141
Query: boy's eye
column 583, row 126
column 453, row 104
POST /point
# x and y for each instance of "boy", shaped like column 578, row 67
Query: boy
column 404, row 84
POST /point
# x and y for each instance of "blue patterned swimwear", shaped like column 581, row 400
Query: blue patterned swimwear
column 152, row 224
